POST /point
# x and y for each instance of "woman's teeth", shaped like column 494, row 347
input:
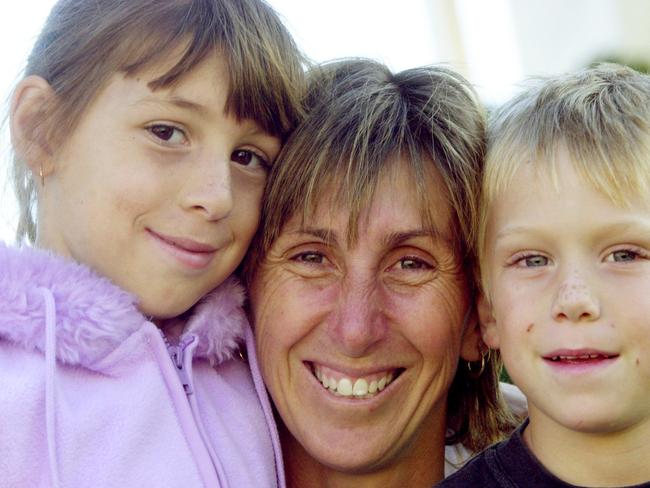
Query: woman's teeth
column 358, row 388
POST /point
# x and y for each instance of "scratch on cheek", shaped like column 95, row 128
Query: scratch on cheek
column 530, row 327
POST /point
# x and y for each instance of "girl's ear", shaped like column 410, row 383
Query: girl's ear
column 29, row 134
column 488, row 323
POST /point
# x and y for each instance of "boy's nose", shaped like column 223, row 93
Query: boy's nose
column 357, row 324
column 209, row 190
column 575, row 301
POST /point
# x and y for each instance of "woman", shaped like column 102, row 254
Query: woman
column 361, row 281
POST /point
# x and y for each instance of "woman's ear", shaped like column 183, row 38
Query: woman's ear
column 488, row 323
column 29, row 134
column 471, row 347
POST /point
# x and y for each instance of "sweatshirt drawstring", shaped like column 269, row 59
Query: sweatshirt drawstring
column 50, row 383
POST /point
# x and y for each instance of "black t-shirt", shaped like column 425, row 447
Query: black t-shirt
column 508, row 464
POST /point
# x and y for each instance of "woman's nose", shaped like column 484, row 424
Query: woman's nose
column 575, row 300
column 357, row 324
column 209, row 189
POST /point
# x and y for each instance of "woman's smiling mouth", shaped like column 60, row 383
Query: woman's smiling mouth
column 362, row 387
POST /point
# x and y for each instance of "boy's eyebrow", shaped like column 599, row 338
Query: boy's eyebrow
column 605, row 230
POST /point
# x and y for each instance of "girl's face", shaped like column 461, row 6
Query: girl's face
column 358, row 344
column 158, row 190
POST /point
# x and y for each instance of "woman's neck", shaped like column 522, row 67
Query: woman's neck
column 590, row 459
column 421, row 466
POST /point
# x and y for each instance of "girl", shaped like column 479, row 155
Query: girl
column 143, row 132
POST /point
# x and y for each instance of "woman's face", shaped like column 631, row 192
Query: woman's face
column 359, row 343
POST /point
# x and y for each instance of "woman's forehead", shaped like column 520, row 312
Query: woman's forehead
column 396, row 202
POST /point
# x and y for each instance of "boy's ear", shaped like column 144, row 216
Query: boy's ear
column 488, row 323
column 29, row 134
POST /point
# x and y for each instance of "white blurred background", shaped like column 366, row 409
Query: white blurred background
column 494, row 43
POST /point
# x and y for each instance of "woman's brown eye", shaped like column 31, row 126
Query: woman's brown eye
column 413, row 263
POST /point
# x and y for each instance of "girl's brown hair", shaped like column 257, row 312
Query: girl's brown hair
column 360, row 120
column 84, row 42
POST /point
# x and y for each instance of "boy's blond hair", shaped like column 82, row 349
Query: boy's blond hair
column 600, row 116
column 84, row 42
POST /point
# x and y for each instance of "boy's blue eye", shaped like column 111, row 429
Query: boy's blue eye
column 624, row 255
column 248, row 158
column 535, row 261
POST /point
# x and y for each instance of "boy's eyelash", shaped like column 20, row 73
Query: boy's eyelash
column 519, row 257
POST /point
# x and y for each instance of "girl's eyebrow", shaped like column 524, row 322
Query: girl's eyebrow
column 175, row 101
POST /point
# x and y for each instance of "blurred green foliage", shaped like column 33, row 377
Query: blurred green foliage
column 641, row 65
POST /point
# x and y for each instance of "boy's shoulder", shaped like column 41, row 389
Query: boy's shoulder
column 508, row 464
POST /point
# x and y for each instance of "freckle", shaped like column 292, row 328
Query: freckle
column 612, row 326
column 637, row 361
column 530, row 327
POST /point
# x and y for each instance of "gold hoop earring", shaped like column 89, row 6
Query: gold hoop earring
column 476, row 373
column 40, row 173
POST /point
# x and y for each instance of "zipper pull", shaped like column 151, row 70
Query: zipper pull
column 177, row 353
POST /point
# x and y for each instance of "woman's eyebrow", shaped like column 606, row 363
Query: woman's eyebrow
column 397, row 238
column 326, row 235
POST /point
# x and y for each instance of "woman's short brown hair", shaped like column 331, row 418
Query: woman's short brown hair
column 84, row 42
column 360, row 120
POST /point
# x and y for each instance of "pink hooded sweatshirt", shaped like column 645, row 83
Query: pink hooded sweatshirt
column 92, row 395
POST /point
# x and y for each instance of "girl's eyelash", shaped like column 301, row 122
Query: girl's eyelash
column 164, row 132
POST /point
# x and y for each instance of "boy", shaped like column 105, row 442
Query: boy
column 564, row 246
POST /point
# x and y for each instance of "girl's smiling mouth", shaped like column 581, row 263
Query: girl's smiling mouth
column 191, row 254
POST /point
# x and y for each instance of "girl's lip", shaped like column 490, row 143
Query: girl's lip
column 184, row 244
column 189, row 253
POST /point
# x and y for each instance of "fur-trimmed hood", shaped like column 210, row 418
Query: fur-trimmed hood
column 93, row 316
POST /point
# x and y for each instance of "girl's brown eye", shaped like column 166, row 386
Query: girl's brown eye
column 167, row 133
column 248, row 158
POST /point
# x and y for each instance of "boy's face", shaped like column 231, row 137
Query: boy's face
column 569, row 279
column 158, row 190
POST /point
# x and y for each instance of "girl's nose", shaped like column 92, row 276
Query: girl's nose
column 209, row 191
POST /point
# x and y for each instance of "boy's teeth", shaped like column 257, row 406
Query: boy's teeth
column 347, row 387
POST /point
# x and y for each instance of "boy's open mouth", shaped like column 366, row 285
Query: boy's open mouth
column 580, row 358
